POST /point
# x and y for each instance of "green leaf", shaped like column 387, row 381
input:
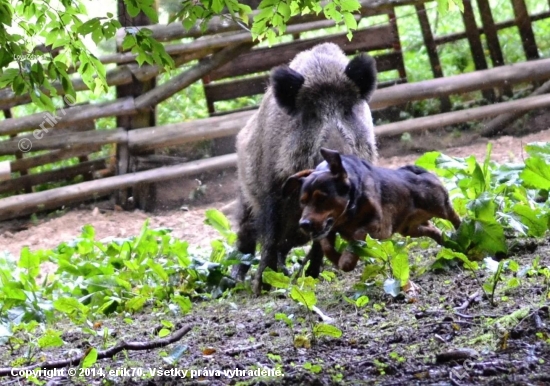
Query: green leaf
column 90, row 359
column 284, row 10
column 136, row 303
column 513, row 283
column 70, row 306
column 284, row 318
column 489, row 237
column 483, row 207
column 428, row 160
column 306, row 298
column 51, row 338
column 362, row 301
column 477, row 181
column 29, row 261
column 183, row 302
column 449, row 254
column 323, row 329
column 88, row 232
column 88, row 27
column 276, row 279
column 350, row 21
column 536, row 173
column 218, row 221
column 400, row 268
column 163, row 332
column 534, row 219
column 539, row 149
column 128, row 42
column 158, row 269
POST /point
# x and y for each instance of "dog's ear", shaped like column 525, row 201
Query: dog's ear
column 294, row 182
column 334, row 162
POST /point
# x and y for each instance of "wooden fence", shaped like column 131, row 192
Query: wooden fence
column 220, row 57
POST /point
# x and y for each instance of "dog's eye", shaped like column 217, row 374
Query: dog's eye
column 319, row 196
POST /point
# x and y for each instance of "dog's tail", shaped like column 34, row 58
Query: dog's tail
column 414, row 169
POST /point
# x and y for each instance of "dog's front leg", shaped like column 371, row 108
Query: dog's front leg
column 426, row 229
column 329, row 250
column 348, row 260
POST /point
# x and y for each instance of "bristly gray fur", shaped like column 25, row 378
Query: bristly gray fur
column 329, row 109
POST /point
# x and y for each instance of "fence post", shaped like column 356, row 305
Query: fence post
column 144, row 195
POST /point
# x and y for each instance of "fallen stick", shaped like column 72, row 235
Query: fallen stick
column 467, row 302
column 109, row 353
column 499, row 123
column 238, row 350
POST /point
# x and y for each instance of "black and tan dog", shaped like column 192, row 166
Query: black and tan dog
column 348, row 195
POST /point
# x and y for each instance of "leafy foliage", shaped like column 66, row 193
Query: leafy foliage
column 153, row 270
column 63, row 25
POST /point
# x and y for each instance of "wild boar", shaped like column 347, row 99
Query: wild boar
column 319, row 100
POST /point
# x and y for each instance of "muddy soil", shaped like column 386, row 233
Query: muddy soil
column 448, row 334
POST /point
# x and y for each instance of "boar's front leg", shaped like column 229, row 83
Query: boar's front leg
column 271, row 240
column 246, row 238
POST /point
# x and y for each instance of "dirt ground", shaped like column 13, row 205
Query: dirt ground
column 425, row 340
column 449, row 334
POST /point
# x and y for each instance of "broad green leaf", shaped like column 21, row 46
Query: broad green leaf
column 350, row 21
column 158, row 269
column 536, row 173
column 323, row 329
column 218, row 221
column 90, row 359
column 483, row 207
column 489, row 237
column 428, row 160
column 477, row 181
column 513, row 283
column 535, row 221
column 89, row 26
column 88, row 232
column 307, row 298
column 51, row 338
column 70, row 306
column 183, row 302
column 400, row 267
column 276, row 279
column 284, row 10
column 540, row 149
column 163, row 332
column 29, row 261
column 136, row 303
column 449, row 254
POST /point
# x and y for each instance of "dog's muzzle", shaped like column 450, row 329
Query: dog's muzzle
column 307, row 226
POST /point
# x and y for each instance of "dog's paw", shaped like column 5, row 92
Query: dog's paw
column 347, row 265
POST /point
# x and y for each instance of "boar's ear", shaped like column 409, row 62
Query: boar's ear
column 294, row 182
column 286, row 84
column 334, row 162
column 362, row 71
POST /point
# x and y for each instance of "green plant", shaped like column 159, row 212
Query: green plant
column 389, row 258
column 302, row 293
